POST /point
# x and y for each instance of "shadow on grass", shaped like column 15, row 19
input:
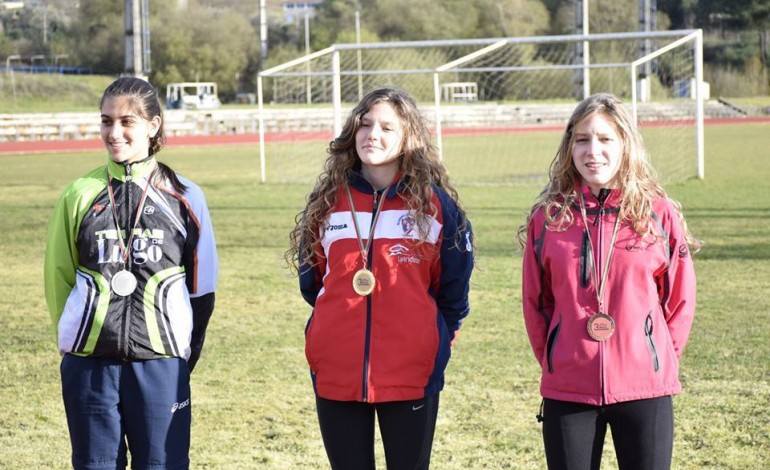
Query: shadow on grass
column 724, row 226
column 751, row 251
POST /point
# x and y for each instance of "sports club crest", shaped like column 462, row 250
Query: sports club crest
column 407, row 223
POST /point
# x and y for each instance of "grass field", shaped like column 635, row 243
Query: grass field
column 253, row 403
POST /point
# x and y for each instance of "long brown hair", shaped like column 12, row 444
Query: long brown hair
column 636, row 178
column 145, row 103
column 420, row 169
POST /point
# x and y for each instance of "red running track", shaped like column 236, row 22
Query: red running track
column 54, row 146
column 64, row 146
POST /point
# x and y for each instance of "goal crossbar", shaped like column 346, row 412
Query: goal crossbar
column 467, row 64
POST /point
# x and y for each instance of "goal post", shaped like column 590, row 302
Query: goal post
column 515, row 96
column 693, row 86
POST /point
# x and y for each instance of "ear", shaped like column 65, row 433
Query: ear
column 154, row 125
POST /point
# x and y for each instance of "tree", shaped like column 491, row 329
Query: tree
column 680, row 12
column 738, row 15
column 202, row 44
column 509, row 18
column 435, row 20
column 96, row 39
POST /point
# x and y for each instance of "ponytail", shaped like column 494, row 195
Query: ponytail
column 165, row 173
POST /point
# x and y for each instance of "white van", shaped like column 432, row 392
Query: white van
column 192, row 95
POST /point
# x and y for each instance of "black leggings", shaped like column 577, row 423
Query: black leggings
column 406, row 427
column 642, row 432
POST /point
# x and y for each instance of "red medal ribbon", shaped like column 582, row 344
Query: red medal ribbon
column 365, row 248
column 125, row 246
column 600, row 326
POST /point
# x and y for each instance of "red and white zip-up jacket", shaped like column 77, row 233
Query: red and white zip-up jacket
column 650, row 294
column 393, row 344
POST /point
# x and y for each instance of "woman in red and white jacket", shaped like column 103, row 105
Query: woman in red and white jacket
column 608, row 290
column 384, row 253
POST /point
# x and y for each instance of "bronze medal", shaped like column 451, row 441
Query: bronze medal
column 601, row 327
column 123, row 283
column 363, row 282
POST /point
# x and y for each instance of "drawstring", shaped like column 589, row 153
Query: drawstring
column 539, row 415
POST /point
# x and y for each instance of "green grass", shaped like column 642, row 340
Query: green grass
column 50, row 93
column 253, row 403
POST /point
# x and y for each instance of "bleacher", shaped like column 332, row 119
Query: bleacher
column 75, row 126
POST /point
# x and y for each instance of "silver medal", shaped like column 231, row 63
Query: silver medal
column 123, row 283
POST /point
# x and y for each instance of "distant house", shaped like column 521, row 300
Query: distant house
column 295, row 11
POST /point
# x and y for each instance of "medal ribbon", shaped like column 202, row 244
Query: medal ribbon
column 365, row 249
column 599, row 285
column 126, row 245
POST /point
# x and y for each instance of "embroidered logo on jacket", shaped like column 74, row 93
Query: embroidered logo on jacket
column 403, row 255
column 333, row 227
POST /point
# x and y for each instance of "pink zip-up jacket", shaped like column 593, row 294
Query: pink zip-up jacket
column 649, row 293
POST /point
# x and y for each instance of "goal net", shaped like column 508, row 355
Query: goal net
column 497, row 107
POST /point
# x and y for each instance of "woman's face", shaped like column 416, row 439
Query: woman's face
column 125, row 134
column 596, row 152
column 378, row 143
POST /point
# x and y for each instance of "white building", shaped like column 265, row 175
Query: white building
column 295, row 11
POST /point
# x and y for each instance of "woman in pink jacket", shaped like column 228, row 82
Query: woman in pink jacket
column 608, row 292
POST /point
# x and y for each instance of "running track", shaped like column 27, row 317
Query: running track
column 65, row 146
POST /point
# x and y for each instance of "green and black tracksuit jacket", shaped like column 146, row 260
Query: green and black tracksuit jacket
column 171, row 252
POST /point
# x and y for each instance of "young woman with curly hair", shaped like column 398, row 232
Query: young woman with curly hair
column 384, row 254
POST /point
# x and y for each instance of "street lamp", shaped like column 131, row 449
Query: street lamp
column 59, row 68
column 9, row 71
column 32, row 60
column 8, row 62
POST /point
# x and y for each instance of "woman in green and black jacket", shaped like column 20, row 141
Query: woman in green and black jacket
column 130, row 273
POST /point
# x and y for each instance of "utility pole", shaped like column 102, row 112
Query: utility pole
column 136, row 19
column 146, row 51
column 45, row 23
column 262, row 33
column 648, row 21
column 582, row 51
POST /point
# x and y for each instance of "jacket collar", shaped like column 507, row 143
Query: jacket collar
column 359, row 183
column 139, row 169
column 612, row 198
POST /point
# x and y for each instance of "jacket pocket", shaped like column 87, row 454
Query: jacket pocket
column 551, row 344
column 651, row 342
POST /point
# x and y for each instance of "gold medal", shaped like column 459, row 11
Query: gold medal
column 601, row 327
column 363, row 282
column 363, row 279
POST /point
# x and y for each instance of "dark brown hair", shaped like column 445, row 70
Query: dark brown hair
column 143, row 97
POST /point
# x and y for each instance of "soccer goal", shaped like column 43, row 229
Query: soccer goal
column 497, row 106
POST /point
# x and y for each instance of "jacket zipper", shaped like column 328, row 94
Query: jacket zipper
column 650, row 342
column 368, row 332
column 127, row 310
